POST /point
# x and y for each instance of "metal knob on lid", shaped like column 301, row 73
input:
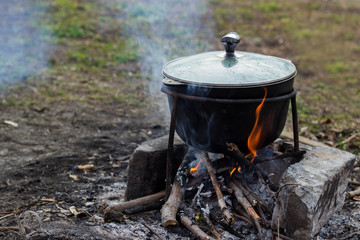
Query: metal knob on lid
column 230, row 41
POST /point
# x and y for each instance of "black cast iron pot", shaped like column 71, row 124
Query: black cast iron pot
column 218, row 94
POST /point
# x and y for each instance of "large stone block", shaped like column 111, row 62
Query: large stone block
column 146, row 172
column 311, row 191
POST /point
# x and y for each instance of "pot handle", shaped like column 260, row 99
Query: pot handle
column 230, row 41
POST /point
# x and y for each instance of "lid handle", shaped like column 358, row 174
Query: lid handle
column 230, row 41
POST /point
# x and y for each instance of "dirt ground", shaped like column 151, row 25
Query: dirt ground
column 46, row 136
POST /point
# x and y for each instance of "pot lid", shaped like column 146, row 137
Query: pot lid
column 229, row 68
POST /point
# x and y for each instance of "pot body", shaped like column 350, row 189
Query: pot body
column 209, row 118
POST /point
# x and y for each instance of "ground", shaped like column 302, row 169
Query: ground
column 90, row 104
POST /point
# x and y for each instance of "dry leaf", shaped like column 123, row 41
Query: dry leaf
column 85, row 167
column 74, row 211
column 74, row 177
column 326, row 121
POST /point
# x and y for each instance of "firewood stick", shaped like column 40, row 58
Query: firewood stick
column 228, row 217
column 9, row 228
column 136, row 202
column 206, row 213
column 267, row 187
column 225, row 226
column 234, row 151
column 353, row 193
column 243, row 218
column 170, row 208
column 262, row 216
column 247, row 206
column 192, row 227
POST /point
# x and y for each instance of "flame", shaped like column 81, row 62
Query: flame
column 192, row 170
column 239, row 169
column 232, row 171
column 254, row 137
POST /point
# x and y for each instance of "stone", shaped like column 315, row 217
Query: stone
column 146, row 172
column 311, row 191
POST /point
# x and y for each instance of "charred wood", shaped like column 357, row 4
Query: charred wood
column 225, row 226
column 224, row 209
column 248, row 208
column 234, row 152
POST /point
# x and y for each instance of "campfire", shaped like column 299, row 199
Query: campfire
column 233, row 168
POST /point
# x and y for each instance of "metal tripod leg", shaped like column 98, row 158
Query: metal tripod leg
column 169, row 161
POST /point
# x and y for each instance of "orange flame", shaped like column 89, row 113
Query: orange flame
column 232, row 171
column 239, row 169
column 254, row 137
column 192, row 170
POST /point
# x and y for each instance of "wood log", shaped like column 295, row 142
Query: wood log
column 136, row 202
column 171, row 207
column 192, row 227
column 228, row 217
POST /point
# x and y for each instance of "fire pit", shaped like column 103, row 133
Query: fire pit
column 229, row 122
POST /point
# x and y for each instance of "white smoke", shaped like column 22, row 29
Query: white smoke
column 23, row 41
column 164, row 30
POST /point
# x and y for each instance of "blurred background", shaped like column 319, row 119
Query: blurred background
column 96, row 51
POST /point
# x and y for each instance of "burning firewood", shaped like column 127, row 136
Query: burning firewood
column 228, row 217
column 247, row 206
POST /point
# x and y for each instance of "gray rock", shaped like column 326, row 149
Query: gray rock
column 311, row 191
column 146, row 172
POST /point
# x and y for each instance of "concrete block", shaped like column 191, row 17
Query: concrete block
column 311, row 191
column 146, row 172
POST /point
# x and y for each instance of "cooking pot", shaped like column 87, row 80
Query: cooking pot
column 218, row 93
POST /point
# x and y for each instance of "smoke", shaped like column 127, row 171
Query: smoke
column 23, row 41
column 165, row 30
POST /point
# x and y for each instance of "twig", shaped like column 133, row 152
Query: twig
column 247, row 206
column 224, row 210
column 243, row 218
column 9, row 228
column 353, row 193
column 226, row 227
column 136, row 202
column 8, row 215
column 206, row 213
column 170, row 208
column 265, row 184
column 192, row 227
column 151, row 230
column 197, row 195
column 354, row 182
